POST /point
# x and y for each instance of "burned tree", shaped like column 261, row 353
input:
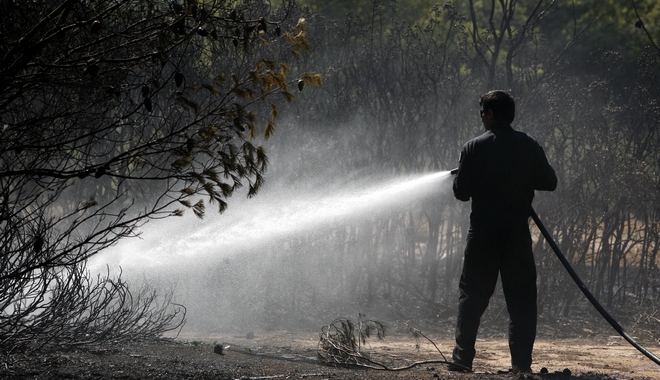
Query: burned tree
column 116, row 112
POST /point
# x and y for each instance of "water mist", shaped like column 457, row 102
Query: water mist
column 256, row 263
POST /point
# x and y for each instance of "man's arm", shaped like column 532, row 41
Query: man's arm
column 462, row 187
column 544, row 175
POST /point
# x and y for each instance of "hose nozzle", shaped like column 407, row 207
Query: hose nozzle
column 453, row 171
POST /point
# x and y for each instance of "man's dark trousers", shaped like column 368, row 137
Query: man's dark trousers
column 505, row 250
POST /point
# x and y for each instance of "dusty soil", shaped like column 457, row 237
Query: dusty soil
column 285, row 355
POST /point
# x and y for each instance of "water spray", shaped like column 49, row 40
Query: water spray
column 271, row 218
column 583, row 287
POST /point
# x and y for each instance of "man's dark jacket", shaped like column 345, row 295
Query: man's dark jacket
column 500, row 170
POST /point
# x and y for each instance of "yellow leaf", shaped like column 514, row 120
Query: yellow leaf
column 270, row 129
column 312, row 79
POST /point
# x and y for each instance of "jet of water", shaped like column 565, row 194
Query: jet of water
column 266, row 218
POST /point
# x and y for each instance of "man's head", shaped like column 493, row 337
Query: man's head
column 497, row 107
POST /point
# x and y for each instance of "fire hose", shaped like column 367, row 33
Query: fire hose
column 569, row 268
column 588, row 294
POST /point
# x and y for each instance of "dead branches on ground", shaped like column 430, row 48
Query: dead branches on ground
column 342, row 344
column 66, row 307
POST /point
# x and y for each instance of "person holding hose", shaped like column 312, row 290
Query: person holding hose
column 499, row 172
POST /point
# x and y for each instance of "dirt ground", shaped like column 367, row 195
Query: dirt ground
column 282, row 355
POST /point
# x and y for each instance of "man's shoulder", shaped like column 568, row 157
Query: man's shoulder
column 488, row 135
column 522, row 133
column 525, row 137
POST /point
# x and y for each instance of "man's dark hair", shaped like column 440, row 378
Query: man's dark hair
column 502, row 104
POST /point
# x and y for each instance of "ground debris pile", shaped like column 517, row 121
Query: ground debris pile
column 343, row 343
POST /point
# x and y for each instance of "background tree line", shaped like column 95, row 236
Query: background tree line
column 400, row 96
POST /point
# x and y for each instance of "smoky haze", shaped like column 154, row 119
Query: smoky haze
column 117, row 113
column 265, row 263
column 398, row 101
